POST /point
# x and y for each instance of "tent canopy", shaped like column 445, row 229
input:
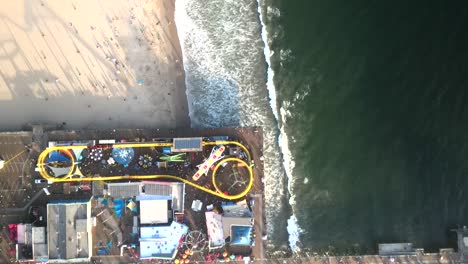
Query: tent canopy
column 58, row 156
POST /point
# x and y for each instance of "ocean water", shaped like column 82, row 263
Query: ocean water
column 364, row 105
column 373, row 99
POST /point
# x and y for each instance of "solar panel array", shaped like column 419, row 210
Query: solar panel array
column 187, row 144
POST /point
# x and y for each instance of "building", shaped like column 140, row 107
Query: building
column 389, row 249
column 69, row 236
column 174, row 191
column 39, row 244
column 154, row 208
column 233, row 228
column 153, row 212
column 24, row 242
column 161, row 242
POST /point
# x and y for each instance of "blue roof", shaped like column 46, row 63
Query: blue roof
column 241, row 235
column 57, row 156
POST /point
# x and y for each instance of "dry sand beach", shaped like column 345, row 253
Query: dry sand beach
column 91, row 64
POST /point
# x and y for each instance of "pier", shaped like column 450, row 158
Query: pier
column 21, row 150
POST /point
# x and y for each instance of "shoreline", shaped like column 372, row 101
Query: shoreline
column 91, row 64
column 182, row 116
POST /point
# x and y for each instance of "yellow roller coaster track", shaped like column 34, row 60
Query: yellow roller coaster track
column 67, row 178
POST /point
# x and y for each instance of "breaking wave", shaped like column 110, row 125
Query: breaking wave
column 224, row 48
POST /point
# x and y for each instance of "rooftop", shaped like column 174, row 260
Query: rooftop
column 230, row 221
column 161, row 241
column 124, row 189
column 214, row 226
column 68, row 236
column 151, row 190
column 187, row 144
column 154, row 211
column 39, row 247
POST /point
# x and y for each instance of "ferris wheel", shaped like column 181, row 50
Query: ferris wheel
column 195, row 241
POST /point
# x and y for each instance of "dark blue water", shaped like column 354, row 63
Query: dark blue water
column 377, row 95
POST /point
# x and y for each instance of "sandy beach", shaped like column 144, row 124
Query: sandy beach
column 91, row 64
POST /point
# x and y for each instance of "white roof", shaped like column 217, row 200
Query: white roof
column 153, row 211
column 25, row 234
column 39, row 247
column 39, row 251
column 63, row 239
column 214, row 226
column 38, row 235
column 161, row 241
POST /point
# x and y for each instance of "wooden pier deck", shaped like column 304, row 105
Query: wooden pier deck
column 430, row 258
column 251, row 137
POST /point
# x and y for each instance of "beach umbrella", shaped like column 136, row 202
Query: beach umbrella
column 176, row 261
column 187, row 261
column 184, row 256
column 227, row 259
column 225, row 254
column 232, row 257
column 187, row 251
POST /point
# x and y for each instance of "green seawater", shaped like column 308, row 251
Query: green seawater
column 378, row 98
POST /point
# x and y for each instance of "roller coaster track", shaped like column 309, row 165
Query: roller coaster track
column 41, row 164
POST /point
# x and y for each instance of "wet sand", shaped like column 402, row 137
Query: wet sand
column 91, row 64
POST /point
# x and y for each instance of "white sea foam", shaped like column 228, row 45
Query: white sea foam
column 273, row 12
column 294, row 232
column 224, row 68
column 285, row 56
column 270, row 74
column 288, row 161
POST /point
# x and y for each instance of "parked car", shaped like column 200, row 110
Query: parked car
column 39, row 181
